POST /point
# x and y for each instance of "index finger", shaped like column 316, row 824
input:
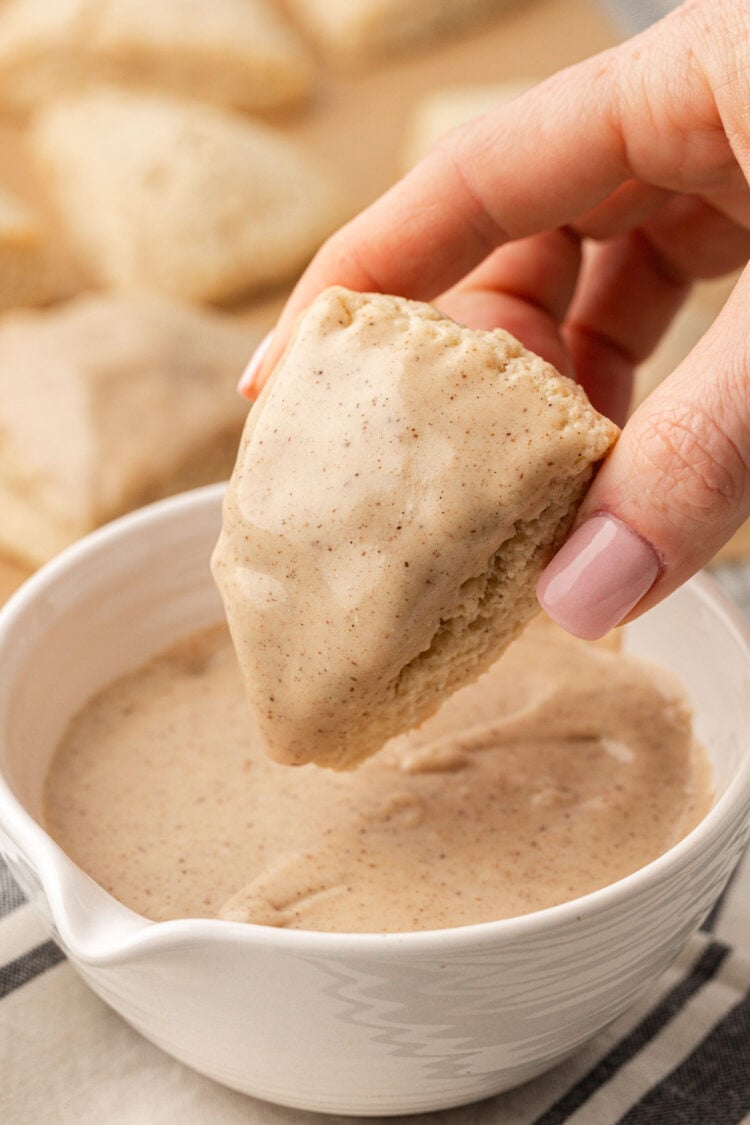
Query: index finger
column 539, row 162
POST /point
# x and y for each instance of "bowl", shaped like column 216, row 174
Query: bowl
column 344, row 1023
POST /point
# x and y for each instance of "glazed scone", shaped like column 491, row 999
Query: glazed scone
column 444, row 109
column 354, row 31
column 31, row 272
column 180, row 197
column 401, row 483
column 107, row 403
column 235, row 52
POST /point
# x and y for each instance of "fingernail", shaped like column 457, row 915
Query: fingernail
column 246, row 385
column 597, row 576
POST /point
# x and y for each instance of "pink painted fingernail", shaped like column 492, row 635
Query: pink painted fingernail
column 246, row 385
column 597, row 576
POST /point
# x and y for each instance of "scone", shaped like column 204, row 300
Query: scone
column 107, row 403
column 236, row 52
column 180, row 197
column 401, row 483
column 444, row 109
column 31, row 271
column 354, row 31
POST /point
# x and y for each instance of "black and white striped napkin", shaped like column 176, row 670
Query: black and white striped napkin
column 680, row 1057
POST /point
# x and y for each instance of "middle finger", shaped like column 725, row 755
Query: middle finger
column 524, row 287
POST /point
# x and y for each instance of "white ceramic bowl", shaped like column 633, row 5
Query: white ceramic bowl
column 363, row 1024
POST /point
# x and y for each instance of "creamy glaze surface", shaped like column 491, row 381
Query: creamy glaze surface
column 566, row 767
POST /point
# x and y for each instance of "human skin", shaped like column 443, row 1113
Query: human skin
column 577, row 217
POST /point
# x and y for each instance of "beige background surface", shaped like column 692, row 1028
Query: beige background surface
column 359, row 125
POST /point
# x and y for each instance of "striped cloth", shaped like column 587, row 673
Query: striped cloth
column 681, row 1057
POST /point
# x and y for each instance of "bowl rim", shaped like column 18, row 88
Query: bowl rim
column 138, row 936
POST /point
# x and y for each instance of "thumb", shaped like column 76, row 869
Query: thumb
column 673, row 491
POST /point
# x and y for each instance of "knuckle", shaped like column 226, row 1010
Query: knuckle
column 720, row 30
column 467, row 150
column 703, row 474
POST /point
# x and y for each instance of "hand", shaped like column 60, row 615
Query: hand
column 577, row 217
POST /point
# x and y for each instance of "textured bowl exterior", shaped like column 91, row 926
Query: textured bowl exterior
column 395, row 1031
column 358, row 1024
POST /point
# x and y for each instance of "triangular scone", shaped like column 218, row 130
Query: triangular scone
column 180, row 197
column 401, row 483
column 31, row 271
column 236, row 52
column 355, row 31
column 447, row 107
column 107, row 403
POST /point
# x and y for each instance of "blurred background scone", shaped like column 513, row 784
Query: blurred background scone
column 108, row 403
column 184, row 198
column 357, row 31
column 236, row 52
column 32, row 271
